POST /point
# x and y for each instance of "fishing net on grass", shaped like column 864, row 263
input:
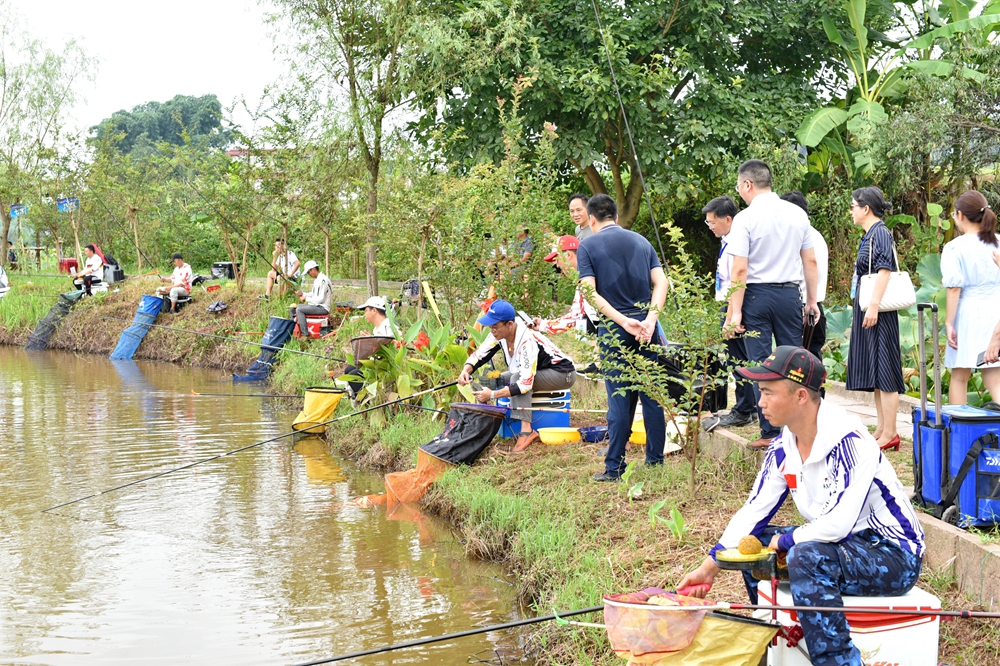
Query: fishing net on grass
column 467, row 433
column 39, row 338
column 663, row 628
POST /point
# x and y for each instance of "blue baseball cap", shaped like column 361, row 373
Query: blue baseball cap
column 499, row 311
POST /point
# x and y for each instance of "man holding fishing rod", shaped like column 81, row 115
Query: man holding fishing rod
column 180, row 282
column 284, row 266
column 861, row 538
column 317, row 302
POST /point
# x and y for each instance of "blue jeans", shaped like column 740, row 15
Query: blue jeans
column 771, row 310
column 736, row 351
column 621, row 408
column 864, row 565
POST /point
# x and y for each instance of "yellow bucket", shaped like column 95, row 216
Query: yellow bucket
column 556, row 436
column 320, row 404
column 638, row 432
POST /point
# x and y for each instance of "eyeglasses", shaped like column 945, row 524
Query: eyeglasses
column 856, row 205
column 709, row 223
column 739, row 184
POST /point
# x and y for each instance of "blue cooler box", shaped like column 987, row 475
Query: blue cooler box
column 938, row 454
column 559, row 400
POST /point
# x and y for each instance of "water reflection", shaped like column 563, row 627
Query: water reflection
column 254, row 558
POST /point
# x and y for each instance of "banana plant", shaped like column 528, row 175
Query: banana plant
column 880, row 72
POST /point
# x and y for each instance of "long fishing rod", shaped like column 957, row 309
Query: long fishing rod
column 225, row 220
column 245, row 448
column 243, row 395
column 221, row 337
column 124, row 229
column 449, row 637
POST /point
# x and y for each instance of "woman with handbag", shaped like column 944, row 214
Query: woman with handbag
column 873, row 362
column 973, row 283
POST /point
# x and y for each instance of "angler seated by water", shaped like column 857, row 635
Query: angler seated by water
column 92, row 274
column 284, row 269
column 318, row 301
column 179, row 290
column 375, row 314
column 861, row 538
column 534, row 363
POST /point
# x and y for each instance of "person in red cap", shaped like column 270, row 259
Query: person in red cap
column 861, row 536
column 581, row 316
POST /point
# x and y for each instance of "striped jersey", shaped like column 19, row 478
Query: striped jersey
column 845, row 486
column 532, row 352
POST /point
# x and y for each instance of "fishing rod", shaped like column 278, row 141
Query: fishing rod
column 225, row 220
column 449, row 637
column 561, row 411
column 244, row 395
column 244, row 448
column 221, row 337
column 124, row 229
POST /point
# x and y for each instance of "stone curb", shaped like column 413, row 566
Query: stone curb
column 949, row 550
column 839, row 389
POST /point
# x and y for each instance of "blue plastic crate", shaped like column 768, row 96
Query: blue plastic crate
column 538, row 419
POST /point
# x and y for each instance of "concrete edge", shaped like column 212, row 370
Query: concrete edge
column 839, row 389
column 950, row 551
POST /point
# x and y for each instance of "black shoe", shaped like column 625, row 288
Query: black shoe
column 604, row 476
column 710, row 423
column 591, row 369
column 734, row 419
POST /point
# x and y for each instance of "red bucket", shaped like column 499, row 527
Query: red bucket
column 68, row 265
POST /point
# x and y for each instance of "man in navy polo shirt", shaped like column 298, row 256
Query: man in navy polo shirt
column 630, row 287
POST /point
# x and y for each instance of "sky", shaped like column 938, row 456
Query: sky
column 153, row 51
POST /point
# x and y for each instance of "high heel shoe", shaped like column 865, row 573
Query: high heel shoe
column 891, row 444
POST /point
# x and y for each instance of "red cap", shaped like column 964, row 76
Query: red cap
column 566, row 243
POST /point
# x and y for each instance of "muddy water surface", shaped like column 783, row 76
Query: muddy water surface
column 252, row 559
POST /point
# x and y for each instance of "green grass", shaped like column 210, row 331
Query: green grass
column 28, row 301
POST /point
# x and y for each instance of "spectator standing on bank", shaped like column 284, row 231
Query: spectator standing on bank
column 719, row 214
column 818, row 339
column 629, row 286
column 578, row 213
column 973, row 283
column 873, row 362
column 772, row 254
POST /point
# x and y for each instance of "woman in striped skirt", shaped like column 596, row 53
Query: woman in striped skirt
column 873, row 362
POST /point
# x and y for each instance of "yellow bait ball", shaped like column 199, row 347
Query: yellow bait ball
column 750, row 545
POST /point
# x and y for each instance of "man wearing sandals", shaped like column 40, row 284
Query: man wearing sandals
column 861, row 538
column 533, row 362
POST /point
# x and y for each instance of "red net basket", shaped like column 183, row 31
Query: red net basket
column 648, row 625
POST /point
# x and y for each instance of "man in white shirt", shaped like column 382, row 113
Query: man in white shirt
column 284, row 263
column 861, row 536
column 317, row 302
column 578, row 213
column 375, row 315
column 180, row 282
column 772, row 253
column 719, row 214
column 817, row 339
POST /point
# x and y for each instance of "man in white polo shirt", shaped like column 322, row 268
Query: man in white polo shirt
column 772, row 253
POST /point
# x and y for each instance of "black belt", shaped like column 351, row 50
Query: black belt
column 778, row 285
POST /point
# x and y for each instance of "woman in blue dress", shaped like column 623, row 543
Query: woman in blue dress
column 973, row 282
column 873, row 362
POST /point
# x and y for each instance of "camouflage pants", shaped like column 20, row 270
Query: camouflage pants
column 865, row 565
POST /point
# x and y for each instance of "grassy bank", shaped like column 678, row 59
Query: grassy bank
column 568, row 540
column 95, row 324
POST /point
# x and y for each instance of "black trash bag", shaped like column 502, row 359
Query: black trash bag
column 673, row 361
column 469, row 430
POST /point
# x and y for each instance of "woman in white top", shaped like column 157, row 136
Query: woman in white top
column 973, row 282
column 93, row 269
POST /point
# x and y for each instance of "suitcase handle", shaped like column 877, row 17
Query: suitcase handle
column 933, row 307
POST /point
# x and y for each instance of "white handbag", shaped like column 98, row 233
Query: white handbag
column 899, row 293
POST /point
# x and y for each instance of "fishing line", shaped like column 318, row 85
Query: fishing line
column 245, row 448
column 220, row 337
column 241, row 395
column 448, row 637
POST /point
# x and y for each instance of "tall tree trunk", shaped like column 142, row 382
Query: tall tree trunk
column 371, row 247
column 326, row 255
column 133, row 218
column 5, row 214
column 76, row 237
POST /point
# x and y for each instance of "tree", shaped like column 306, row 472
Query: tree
column 183, row 118
column 695, row 79
column 360, row 46
column 37, row 87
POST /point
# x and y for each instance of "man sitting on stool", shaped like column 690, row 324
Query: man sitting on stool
column 180, row 282
column 317, row 302
column 375, row 315
column 861, row 538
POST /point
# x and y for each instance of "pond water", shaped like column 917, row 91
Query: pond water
column 256, row 558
